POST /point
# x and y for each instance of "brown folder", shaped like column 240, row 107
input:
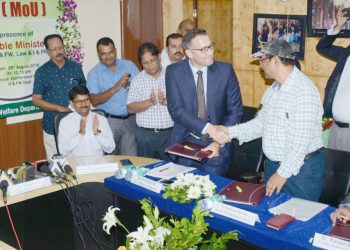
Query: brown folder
column 280, row 221
column 341, row 230
column 244, row 192
column 189, row 150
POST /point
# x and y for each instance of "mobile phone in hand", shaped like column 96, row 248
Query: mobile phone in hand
column 126, row 162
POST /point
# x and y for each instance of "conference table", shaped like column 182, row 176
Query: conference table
column 43, row 215
column 297, row 235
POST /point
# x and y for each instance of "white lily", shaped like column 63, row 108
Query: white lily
column 141, row 236
column 110, row 219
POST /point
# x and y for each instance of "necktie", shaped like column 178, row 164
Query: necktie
column 202, row 111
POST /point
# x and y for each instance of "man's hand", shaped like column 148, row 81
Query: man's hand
column 275, row 182
column 62, row 109
column 219, row 134
column 153, row 97
column 342, row 214
column 214, row 148
column 341, row 19
column 161, row 97
column 122, row 82
column 95, row 125
column 82, row 126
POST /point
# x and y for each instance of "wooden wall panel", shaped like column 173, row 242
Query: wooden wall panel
column 246, row 84
column 20, row 142
column 172, row 16
column 243, row 11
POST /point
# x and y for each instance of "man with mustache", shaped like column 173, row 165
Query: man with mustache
column 147, row 99
column 173, row 52
column 52, row 83
column 84, row 133
column 108, row 82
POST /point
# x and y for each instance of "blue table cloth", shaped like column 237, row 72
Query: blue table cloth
column 295, row 236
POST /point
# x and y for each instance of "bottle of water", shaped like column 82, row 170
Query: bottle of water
column 121, row 173
column 208, row 203
column 135, row 171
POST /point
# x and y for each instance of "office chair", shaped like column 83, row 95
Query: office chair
column 60, row 115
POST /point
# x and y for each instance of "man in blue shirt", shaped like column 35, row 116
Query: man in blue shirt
column 108, row 84
column 52, row 83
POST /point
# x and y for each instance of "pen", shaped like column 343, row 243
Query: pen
column 163, row 169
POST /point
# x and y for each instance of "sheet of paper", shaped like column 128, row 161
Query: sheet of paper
column 91, row 160
column 301, row 209
column 169, row 170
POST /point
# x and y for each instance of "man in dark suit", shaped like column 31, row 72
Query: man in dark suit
column 336, row 101
column 202, row 93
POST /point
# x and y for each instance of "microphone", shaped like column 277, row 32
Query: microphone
column 68, row 169
column 59, row 174
column 3, row 186
column 45, row 170
column 58, row 161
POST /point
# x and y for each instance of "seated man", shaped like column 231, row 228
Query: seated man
column 343, row 212
column 84, row 133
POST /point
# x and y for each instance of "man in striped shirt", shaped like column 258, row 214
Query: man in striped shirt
column 147, row 99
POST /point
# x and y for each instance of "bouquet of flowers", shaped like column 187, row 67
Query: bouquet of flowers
column 156, row 233
column 188, row 187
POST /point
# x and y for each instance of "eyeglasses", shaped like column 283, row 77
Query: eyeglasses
column 57, row 49
column 82, row 102
column 261, row 60
column 150, row 62
column 204, row 50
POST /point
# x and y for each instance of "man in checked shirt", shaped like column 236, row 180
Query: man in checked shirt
column 290, row 124
column 147, row 98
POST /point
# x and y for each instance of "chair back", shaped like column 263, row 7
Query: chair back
column 56, row 124
column 336, row 182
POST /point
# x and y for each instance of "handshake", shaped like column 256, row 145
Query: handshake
column 219, row 133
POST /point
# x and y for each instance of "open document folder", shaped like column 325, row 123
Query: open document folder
column 169, row 171
column 301, row 209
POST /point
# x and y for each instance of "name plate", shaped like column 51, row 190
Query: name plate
column 28, row 186
column 95, row 169
column 147, row 183
column 331, row 243
column 235, row 213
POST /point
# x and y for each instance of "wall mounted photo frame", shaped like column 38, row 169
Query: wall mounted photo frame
column 321, row 16
column 291, row 28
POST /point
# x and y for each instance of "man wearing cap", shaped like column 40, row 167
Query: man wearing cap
column 336, row 101
column 289, row 124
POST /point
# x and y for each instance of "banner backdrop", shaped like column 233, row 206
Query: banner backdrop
column 23, row 26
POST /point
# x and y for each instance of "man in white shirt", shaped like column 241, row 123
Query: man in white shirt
column 290, row 124
column 173, row 52
column 336, row 101
column 147, row 98
column 84, row 133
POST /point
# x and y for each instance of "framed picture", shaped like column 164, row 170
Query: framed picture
column 321, row 16
column 291, row 28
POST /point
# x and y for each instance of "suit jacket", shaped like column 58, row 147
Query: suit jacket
column 224, row 104
column 340, row 55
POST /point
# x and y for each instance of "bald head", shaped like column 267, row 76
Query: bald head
column 184, row 26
